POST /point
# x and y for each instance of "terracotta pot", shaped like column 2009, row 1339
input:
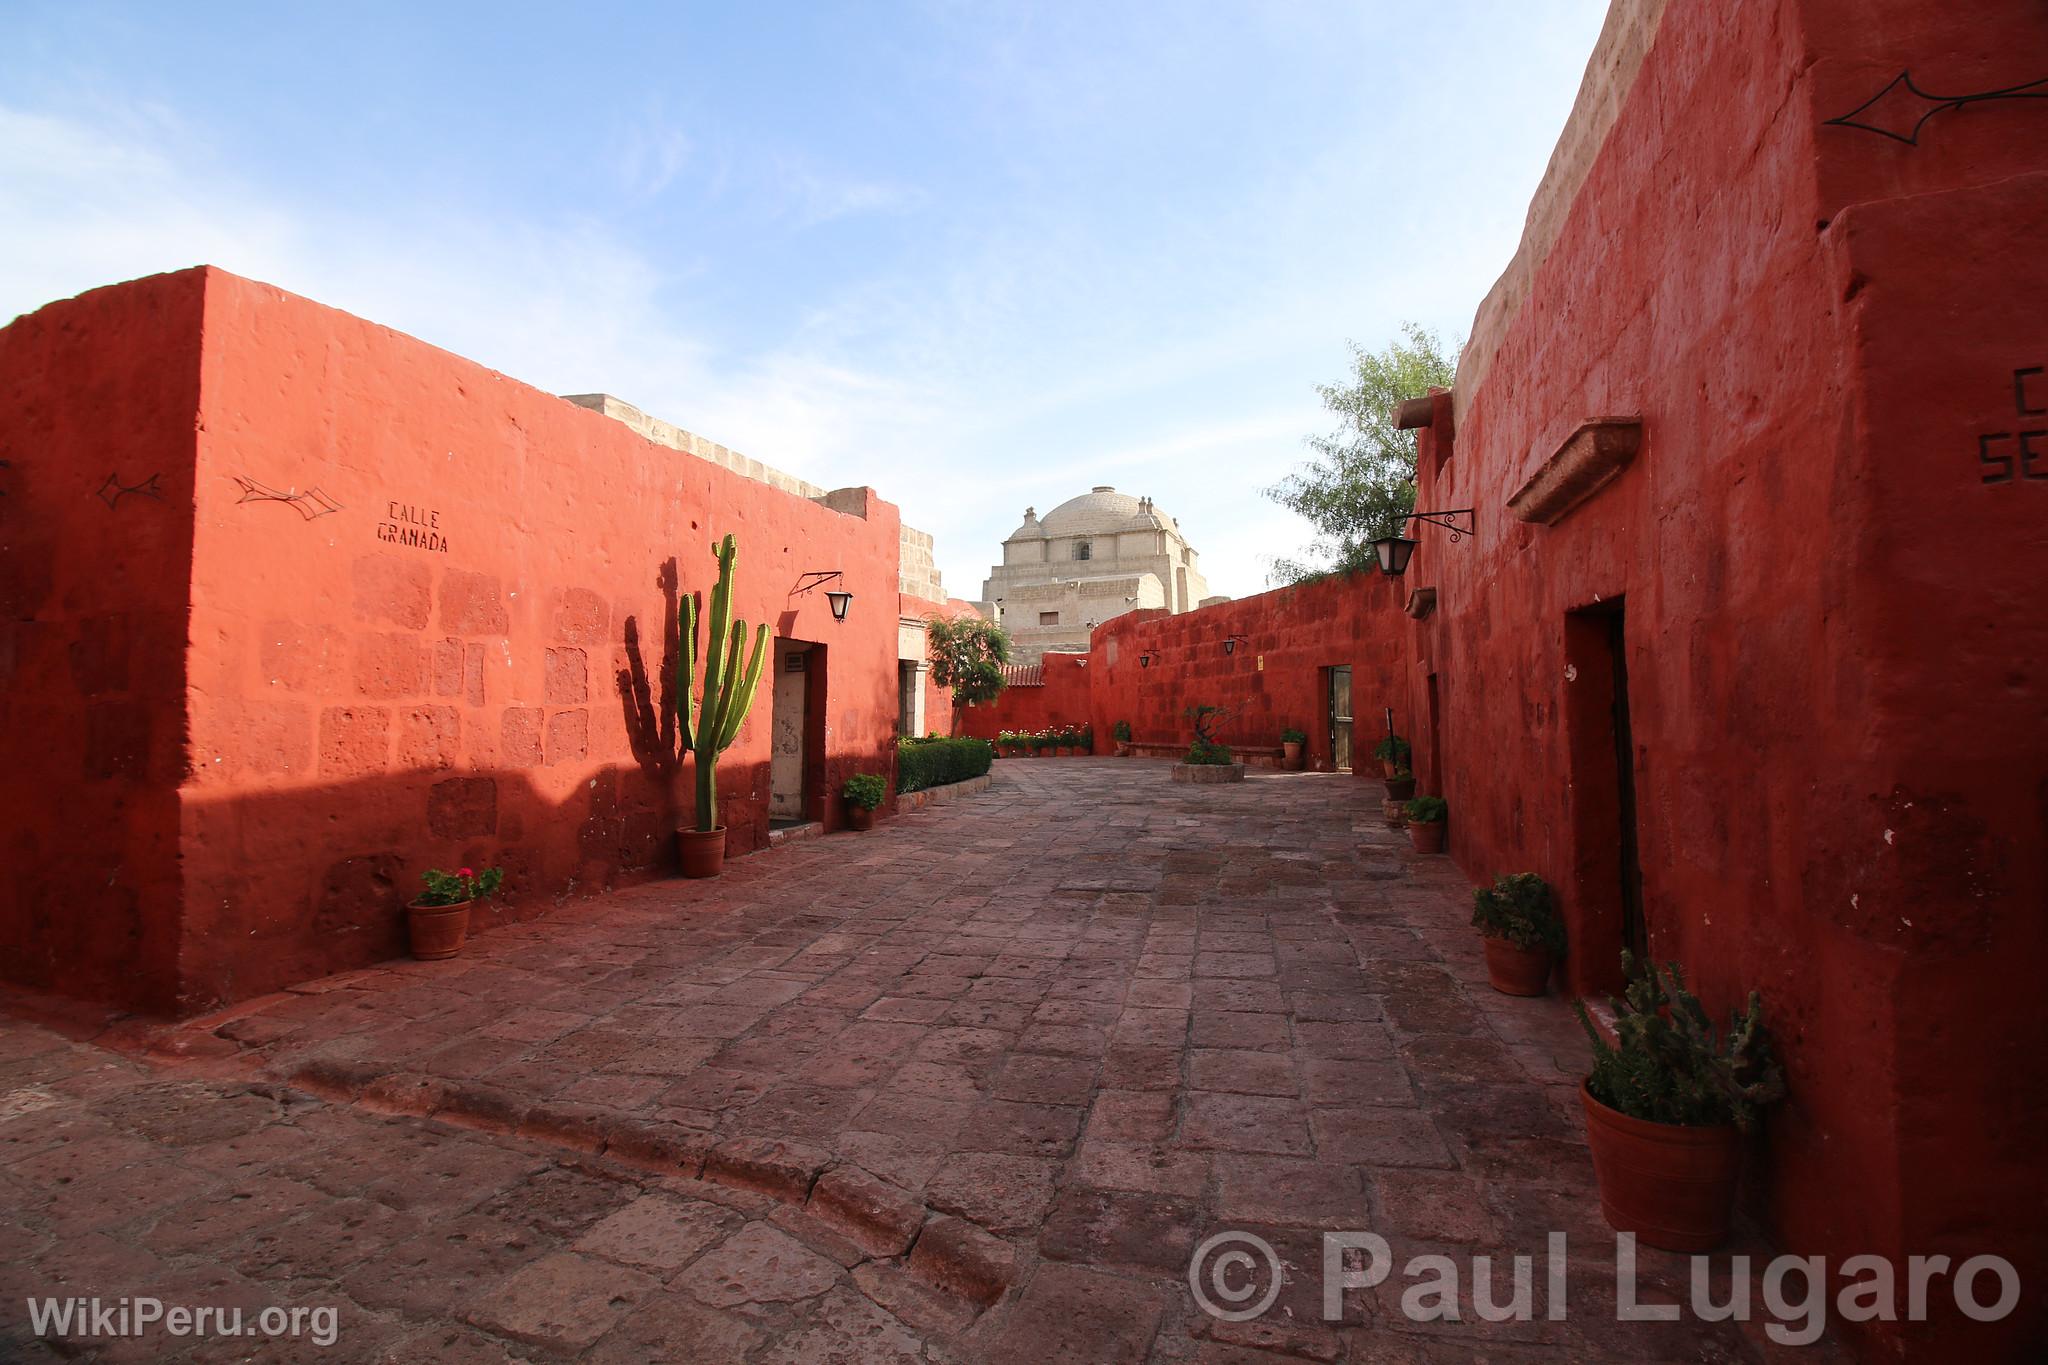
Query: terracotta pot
column 1123, row 750
column 859, row 817
column 1673, row 1186
column 702, row 851
column 1515, row 970
column 437, row 931
column 1427, row 835
column 1388, row 767
column 1291, row 749
column 1400, row 788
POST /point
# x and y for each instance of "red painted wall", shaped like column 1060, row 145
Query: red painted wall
column 1833, row 622
column 1276, row 678
column 1062, row 700
column 96, row 394
column 359, row 708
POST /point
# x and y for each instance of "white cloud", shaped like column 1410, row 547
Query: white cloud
column 1010, row 341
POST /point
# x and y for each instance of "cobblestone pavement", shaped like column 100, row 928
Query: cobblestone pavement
column 973, row 1086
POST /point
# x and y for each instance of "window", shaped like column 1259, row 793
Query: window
column 1083, row 550
column 1048, row 618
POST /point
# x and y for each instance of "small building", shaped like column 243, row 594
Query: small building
column 1091, row 558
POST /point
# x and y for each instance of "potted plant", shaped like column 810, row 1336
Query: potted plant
column 1087, row 739
column 1121, row 733
column 1291, row 741
column 1426, row 822
column 709, row 729
column 437, row 921
column 1401, row 786
column 863, row 793
column 1392, row 752
column 1523, row 932
column 1209, row 759
column 1667, row 1105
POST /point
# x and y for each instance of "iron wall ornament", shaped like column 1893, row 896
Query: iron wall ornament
column 311, row 504
column 838, row 599
column 113, row 490
column 1919, row 106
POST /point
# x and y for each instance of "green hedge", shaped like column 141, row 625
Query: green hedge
column 933, row 762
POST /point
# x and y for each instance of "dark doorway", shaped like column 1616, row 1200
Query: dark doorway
column 1608, row 892
column 1634, row 936
column 1436, row 743
column 1340, row 717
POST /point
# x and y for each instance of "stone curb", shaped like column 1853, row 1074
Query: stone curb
column 907, row 802
column 951, row 1254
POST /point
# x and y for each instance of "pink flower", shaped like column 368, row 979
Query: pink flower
column 464, row 872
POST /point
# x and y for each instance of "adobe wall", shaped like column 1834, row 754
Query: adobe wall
column 428, row 605
column 1275, row 678
column 1062, row 700
column 1816, row 568
column 98, row 400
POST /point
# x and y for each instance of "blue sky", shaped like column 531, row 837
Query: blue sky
column 978, row 255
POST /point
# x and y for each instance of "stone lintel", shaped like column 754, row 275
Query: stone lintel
column 1588, row 461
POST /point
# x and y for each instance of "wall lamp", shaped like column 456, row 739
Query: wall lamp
column 839, row 599
column 1145, row 659
column 1230, row 643
column 1394, row 551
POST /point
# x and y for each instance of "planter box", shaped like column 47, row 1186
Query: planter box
column 1208, row 774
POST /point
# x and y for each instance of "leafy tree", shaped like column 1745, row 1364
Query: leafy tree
column 967, row 656
column 1362, row 482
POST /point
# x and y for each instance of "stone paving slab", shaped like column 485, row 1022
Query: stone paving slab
column 972, row 1086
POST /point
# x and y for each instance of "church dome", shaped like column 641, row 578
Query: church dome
column 1100, row 511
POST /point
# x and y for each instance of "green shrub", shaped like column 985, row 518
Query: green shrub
column 922, row 763
column 1205, row 752
column 1670, row 1067
column 1121, row 732
column 1293, row 736
column 1425, row 810
column 460, row 886
column 1519, row 908
column 1392, row 747
column 865, row 789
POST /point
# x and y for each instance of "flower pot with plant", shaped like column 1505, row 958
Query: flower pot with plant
column 437, row 921
column 863, row 793
column 1401, row 786
column 1392, row 752
column 1426, row 815
column 1523, row 932
column 709, row 728
column 1121, row 733
column 1209, row 759
column 1291, row 742
column 1667, row 1106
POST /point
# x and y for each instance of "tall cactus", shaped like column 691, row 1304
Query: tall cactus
column 708, row 729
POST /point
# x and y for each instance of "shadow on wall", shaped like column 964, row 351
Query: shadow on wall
column 651, row 715
column 319, row 877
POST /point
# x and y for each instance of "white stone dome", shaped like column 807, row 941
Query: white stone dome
column 1100, row 511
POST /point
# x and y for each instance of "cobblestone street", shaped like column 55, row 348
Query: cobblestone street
column 971, row 1087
